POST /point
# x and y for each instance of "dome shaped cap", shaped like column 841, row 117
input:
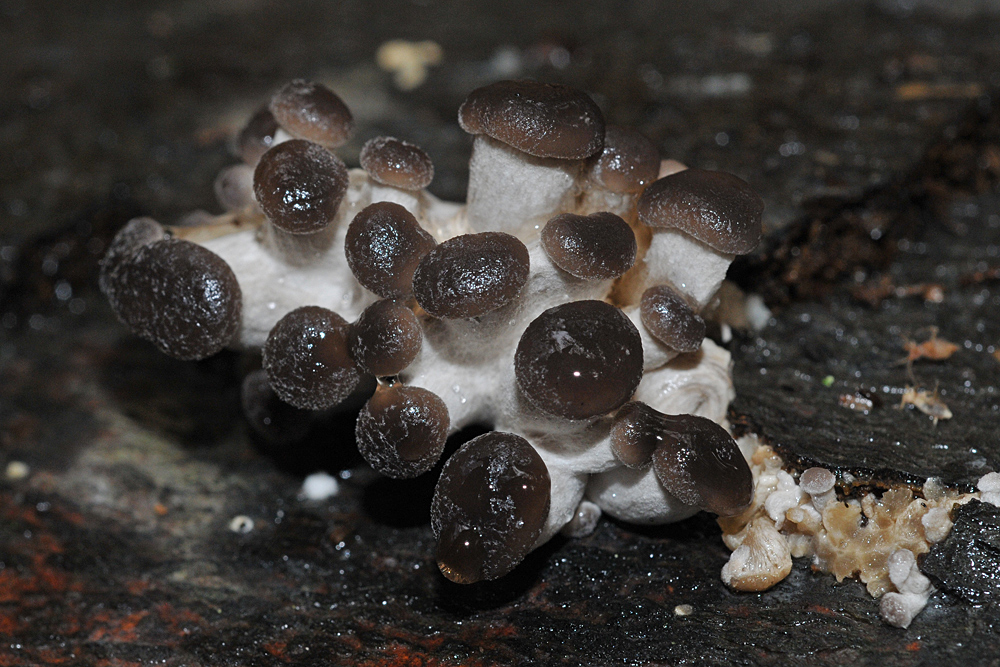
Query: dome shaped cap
column 542, row 119
column 403, row 165
column 718, row 209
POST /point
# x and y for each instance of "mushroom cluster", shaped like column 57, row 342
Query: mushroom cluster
column 560, row 307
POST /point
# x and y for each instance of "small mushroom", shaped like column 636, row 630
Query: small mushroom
column 579, row 360
column 818, row 483
column 234, row 187
column 257, row 136
column 401, row 431
column 489, row 507
column 599, row 246
column 669, row 318
column 384, row 245
column 176, row 294
column 701, row 220
column 385, row 339
column 311, row 111
column 471, row 275
column 307, row 361
column 299, row 186
column 761, row 561
column 399, row 170
column 628, row 163
column 531, row 139
column 696, row 460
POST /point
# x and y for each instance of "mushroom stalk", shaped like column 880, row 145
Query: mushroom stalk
column 511, row 191
column 694, row 268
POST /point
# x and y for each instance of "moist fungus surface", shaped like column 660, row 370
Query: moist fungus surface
column 384, row 245
column 401, row 430
column 390, row 161
column 541, row 119
column 299, row 185
column 592, row 247
column 489, row 507
column 628, row 163
column 386, row 338
column 471, row 275
column 579, row 360
column 671, row 319
column 308, row 110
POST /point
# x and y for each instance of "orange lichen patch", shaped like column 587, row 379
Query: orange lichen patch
column 277, row 649
column 396, row 655
column 847, row 538
column 921, row 90
column 9, row 624
column 111, row 629
column 179, row 622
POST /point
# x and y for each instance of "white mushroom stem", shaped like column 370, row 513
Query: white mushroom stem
column 596, row 199
column 694, row 268
column 411, row 200
column 654, row 353
column 297, row 249
column 513, row 192
column 636, row 496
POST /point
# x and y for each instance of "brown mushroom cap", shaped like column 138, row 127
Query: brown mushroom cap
column 384, row 245
column 490, row 505
column 635, row 434
column 308, row 110
column 718, row 209
column 299, row 186
column 386, row 338
column 670, row 319
column 182, row 297
column 401, row 431
column 629, row 161
column 257, row 136
column 271, row 418
column 400, row 164
column 700, row 463
column 579, row 360
column 541, row 119
column 592, row 247
column 306, row 359
column 471, row 275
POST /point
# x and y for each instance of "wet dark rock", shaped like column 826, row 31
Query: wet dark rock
column 968, row 561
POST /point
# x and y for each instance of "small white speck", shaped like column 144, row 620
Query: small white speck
column 683, row 610
column 17, row 470
column 241, row 524
column 319, row 486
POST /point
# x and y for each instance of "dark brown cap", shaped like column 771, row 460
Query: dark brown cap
column 401, row 431
column 579, row 360
column 308, row 110
column 700, row 463
column 306, row 359
column 490, row 505
column 299, row 186
column 718, row 209
column 471, row 275
column 592, row 247
column 628, row 163
column 257, row 137
column 635, row 434
column 400, row 164
column 541, row 119
column 384, row 245
column 386, row 338
column 670, row 319
column 182, row 297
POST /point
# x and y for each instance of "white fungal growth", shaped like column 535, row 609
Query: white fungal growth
column 506, row 338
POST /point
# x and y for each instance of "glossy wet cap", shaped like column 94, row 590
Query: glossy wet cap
column 490, row 505
column 541, row 119
column 384, row 245
column 180, row 296
column 718, row 209
column 386, row 338
column 669, row 318
column 700, row 463
column 277, row 422
column 400, row 164
column 234, row 187
column 598, row 246
column 635, row 434
column 471, row 275
column 308, row 110
column 307, row 361
column 579, row 360
column 257, row 136
column 401, row 431
column 815, row 481
column 299, row 186
column 628, row 163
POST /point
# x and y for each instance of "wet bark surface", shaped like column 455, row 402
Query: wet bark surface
column 870, row 130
